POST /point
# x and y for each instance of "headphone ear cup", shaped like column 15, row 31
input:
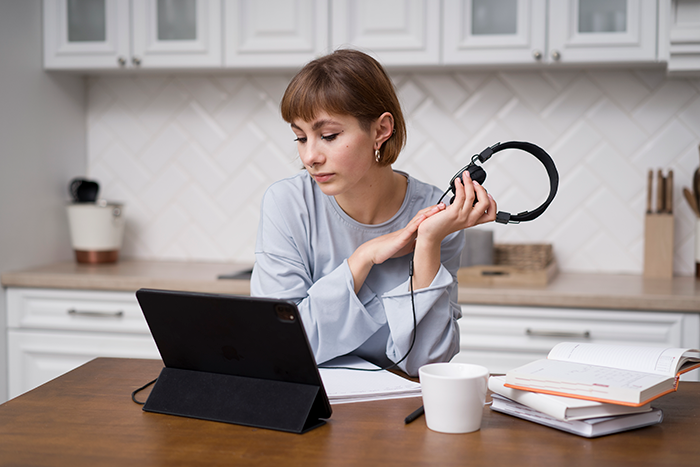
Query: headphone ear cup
column 477, row 173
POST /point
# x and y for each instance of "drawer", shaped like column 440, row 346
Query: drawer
column 504, row 337
column 75, row 310
column 529, row 329
column 36, row 357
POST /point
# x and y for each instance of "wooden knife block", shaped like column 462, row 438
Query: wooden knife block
column 658, row 245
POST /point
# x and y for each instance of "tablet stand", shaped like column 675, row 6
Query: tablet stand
column 260, row 403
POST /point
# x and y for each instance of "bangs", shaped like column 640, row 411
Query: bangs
column 319, row 88
column 304, row 99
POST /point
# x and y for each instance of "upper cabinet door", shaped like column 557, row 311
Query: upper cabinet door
column 492, row 32
column 396, row 32
column 176, row 33
column 274, row 33
column 681, row 44
column 600, row 31
column 86, row 34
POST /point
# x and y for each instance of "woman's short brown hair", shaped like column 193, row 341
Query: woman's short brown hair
column 346, row 82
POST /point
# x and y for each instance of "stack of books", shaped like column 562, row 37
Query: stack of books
column 593, row 389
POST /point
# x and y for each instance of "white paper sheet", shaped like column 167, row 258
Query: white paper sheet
column 343, row 385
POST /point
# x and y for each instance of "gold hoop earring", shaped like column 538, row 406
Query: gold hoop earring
column 377, row 155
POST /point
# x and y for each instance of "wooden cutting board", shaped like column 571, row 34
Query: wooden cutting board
column 498, row 275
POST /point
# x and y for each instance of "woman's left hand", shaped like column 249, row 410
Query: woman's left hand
column 463, row 212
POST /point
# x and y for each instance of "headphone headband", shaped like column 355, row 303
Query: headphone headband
column 541, row 155
column 478, row 174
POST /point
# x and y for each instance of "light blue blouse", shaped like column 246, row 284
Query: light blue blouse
column 304, row 240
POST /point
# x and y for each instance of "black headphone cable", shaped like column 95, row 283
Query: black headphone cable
column 413, row 338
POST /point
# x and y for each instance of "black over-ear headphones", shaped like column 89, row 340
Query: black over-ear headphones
column 478, row 174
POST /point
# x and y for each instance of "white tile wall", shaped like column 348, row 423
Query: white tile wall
column 192, row 155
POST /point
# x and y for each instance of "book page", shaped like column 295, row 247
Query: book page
column 600, row 383
column 656, row 360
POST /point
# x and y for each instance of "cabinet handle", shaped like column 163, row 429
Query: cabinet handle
column 556, row 55
column 121, row 61
column 534, row 332
column 537, row 54
column 101, row 314
column 136, row 61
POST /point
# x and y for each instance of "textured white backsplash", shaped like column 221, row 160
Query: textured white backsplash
column 191, row 155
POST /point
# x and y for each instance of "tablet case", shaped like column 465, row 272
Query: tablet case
column 233, row 359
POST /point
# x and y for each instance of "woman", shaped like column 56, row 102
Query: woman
column 339, row 237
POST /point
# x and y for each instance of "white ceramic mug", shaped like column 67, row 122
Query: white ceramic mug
column 453, row 396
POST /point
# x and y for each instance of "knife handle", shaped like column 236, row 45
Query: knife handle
column 650, row 190
column 660, row 192
column 669, row 192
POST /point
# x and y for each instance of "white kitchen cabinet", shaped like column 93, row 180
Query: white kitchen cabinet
column 86, row 34
column 602, row 31
column 488, row 32
column 680, row 42
column 396, row 32
column 505, row 337
column 51, row 332
column 274, row 33
column 495, row 32
column 113, row 34
column 176, row 34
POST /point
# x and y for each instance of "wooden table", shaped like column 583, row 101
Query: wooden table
column 86, row 417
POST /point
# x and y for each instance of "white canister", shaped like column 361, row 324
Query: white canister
column 96, row 231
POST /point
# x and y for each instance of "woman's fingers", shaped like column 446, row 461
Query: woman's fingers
column 431, row 210
column 472, row 204
column 463, row 192
column 482, row 198
column 485, row 209
column 493, row 208
column 422, row 215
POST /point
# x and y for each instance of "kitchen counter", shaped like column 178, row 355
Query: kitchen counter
column 131, row 275
column 568, row 290
column 604, row 291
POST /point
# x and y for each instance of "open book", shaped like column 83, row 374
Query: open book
column 559, row 407
column 589, row 428
column 617, row 374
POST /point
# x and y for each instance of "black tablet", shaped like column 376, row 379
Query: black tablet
column 233, row 359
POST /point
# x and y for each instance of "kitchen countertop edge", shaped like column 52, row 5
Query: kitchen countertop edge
column 567, row 290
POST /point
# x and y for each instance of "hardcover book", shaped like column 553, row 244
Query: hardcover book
column 559, row 407
column 617, row 374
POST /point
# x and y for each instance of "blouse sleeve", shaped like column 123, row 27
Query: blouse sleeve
column 437, row 312
column 335, row 321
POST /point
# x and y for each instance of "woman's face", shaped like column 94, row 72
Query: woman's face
column 337, row 152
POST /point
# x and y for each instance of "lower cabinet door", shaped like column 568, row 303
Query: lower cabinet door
column 35, row 357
